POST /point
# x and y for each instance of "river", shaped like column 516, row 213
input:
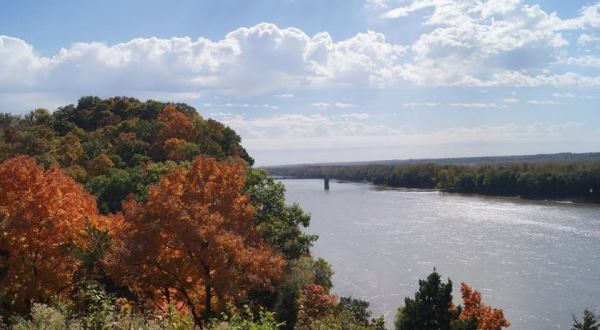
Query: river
column 538, row 261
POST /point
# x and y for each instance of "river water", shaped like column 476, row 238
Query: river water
column 538, row 261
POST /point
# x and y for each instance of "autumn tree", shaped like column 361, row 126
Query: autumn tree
column 488, row 318
column 44, row 215
column 193, row 244
column 315, row 302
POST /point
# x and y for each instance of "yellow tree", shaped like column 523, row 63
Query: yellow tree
column 488, row 318
column 43, row 219
column 193, row 243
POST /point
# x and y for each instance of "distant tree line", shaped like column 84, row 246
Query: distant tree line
column 577, row 180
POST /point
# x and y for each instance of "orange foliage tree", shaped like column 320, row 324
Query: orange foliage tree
column 43, row 219
column 315, row 302
column 192, row 244
column 488, row 318
column 177, row 125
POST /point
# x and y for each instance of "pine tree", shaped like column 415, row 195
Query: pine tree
column 431, row 309
column 589, row 322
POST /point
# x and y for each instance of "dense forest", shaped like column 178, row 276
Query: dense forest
column 572, row 180
column 121, row 214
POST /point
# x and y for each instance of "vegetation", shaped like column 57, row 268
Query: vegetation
column 432, row 309
column 121, row 214
column 118, row 213
column 589, row 322
column 579, row 180
column 117, row 146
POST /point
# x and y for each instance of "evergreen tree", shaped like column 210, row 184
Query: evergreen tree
column 589, row 322
column 431, row 309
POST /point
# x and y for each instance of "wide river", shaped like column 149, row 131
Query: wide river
column 539, row 261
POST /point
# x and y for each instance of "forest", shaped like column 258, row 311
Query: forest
column 122, row 214
column 571, row 180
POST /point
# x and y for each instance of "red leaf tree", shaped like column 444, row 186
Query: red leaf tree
column 488, row 318
column 44, row 215
column 193, row 244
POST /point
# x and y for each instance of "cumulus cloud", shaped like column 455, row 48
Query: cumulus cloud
column 584, row 61
column 251, row 60
column 491, row 43
column 467, row 43
column 584, row 39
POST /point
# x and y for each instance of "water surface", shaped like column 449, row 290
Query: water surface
column 539, row 261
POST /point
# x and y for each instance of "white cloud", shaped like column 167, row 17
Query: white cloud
column 240, row 106
column 585, row 39
column 357, row 115
column 420, row 104
column 404, row 11
column 477, row 105
column 377, row 4
column 252, row 60
column 563, row 95
column 584, row 61
column 327, row 105
column 285, row 96
column 478, row 43
column 343, row 105
column 543, row 102
column 484, row 42
column 510, row 100
column 321, row 105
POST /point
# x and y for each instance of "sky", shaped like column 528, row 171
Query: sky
column 307, row 81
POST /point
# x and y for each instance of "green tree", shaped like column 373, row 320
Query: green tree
column 431, row 307
column 323, row 273
column 359, row 309
column 589, row 322
column 278, row 223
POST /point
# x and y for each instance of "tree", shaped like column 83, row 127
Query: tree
column 315, row 302
column 44, row 215
column 193, row 243
column 431, row 308
column 323, row 273
column 278, row 223
column 487, row 318
column 589, row 322
column 359, row 309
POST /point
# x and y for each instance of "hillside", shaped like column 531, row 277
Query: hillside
column 119, row 145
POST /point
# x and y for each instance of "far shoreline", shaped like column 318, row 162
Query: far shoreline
column 381, row 187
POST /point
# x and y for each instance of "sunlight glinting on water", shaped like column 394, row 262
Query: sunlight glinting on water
column 537, row 260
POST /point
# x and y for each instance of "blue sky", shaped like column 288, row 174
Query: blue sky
column 337, row 80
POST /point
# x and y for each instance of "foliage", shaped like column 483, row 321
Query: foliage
column 44, row 214
column 193, row 242
column 108, row 144
column 589, row 322
column 60, row 317
column 278, row 223
column 359, row 309
column 118, row 148
column 431, row 308
column 487, row 318
column 315, row 303
column 245, row 320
